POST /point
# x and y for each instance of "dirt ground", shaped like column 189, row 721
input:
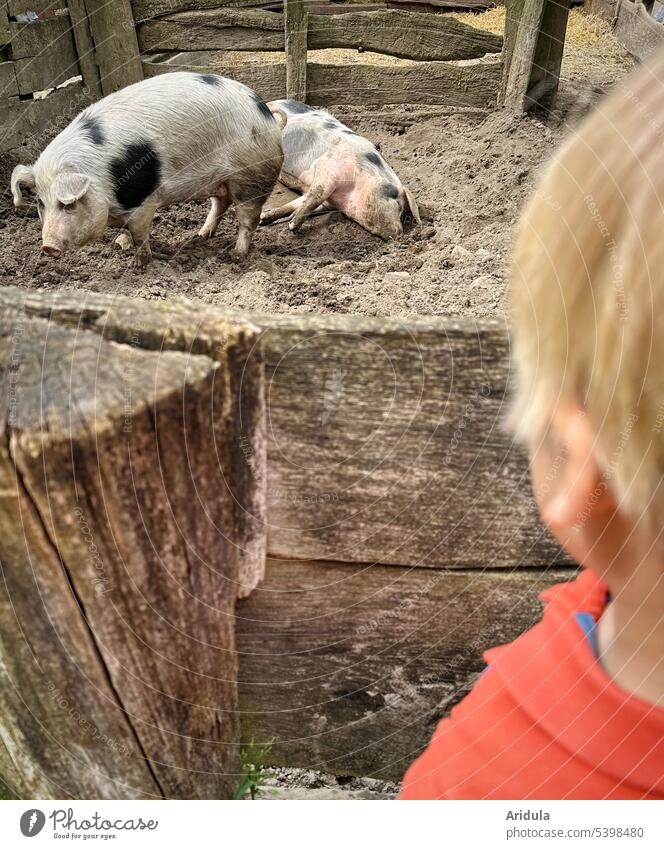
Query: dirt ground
column 472, row 168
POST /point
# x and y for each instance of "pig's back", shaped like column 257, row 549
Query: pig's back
column 186, row 112
column 310, row 133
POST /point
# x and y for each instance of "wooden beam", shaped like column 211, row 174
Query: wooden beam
column 23, row 123
column 295, row 24
column 534, row 44
column 347, row 669
column 116, row 48
column 432, row 83
column 130, row 552
column 410, row 35
column 636, row 30
column 85, row 47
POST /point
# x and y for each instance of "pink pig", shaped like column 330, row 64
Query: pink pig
column 336, row 168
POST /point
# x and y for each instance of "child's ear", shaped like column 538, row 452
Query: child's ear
column 573, row 489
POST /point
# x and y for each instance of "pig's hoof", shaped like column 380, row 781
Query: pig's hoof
column 143, row 258
column 238, row 255
column 124, row 241
column 294, row 226
column 205, row 232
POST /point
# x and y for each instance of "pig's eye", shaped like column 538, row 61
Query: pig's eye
column 68, row 207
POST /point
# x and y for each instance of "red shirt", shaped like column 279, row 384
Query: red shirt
column 545, row 721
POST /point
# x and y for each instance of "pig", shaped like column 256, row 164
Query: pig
column 168, row 139
column 335, row 167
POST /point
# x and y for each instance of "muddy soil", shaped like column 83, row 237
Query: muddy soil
column 473, row 169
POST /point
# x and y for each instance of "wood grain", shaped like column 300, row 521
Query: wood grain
column 22, row 123
column 116, row 48
column 433, row 83
column 386, row 443
column 230, row 341
column 638, row 33
column 126, row 456
column 347, row 669
column 411, row 35
column 296, row 26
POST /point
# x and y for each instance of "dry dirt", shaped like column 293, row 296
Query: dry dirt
column 473, row 169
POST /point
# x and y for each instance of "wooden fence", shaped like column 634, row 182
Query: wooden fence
column 632, row 25
column 58, row 55
column 141, row 644
column 166, row 27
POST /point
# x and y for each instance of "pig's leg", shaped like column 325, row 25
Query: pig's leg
column 248, row 214
column 277, row 212
column 124, row 241
column 322, row 179
column 220, row 204
column 316, row 196
column 139, row 225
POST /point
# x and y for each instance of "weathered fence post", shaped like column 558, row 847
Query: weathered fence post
column 532, row 53
column 85, row 47
column 295, row 23
column 130, row 521
column 116, row 46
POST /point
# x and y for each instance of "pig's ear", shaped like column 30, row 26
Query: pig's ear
column 280, row 117
column 412, row 205
column 22, row 175
column 70, row 187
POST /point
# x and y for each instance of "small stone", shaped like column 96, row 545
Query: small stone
column 483, row 255
column 485, row 281
column 460, row 254
column 397, row 277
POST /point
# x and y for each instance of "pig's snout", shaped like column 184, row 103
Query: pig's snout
column 52, row 251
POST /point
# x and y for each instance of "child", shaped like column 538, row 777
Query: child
column 574, row 708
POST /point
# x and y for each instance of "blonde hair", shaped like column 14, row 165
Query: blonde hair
column 587, row 293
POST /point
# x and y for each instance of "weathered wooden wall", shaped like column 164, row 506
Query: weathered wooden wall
column 89, row 45
column 375, row 442
column 347, row 669
column 386, row 443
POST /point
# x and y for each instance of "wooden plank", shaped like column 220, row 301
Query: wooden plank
column 386, row 444
column 145, row 9
column 40, row 7
column 411, row 35
column 545, row 76
column 8, row 81
column 348, row 669
column 636, row 30
column 219, row 29
column 433, row 83
column 41, row 38
column 114, row 34
column 85, row 47
column 23, row 124
column 54, row 65
column 295, row 24
column 520, row 68
column 5, row 33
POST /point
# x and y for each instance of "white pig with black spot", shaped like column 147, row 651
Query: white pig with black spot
column 336, row 168
column 173, row 138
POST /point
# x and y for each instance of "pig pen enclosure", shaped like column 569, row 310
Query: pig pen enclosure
column 291, row 534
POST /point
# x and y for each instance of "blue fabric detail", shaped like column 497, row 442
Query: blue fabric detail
column 589, row 628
